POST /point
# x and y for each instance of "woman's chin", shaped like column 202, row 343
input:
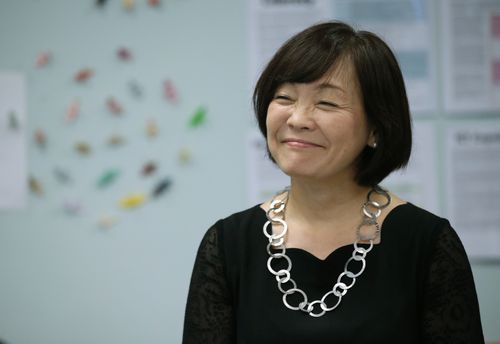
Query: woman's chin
column 298, row 171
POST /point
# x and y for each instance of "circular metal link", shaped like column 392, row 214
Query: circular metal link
column 358, row 255
column 370, row 214
column 275, row 236
column 277, row 206
column 290, row 292
column 342, row 287
column 285, row 291
column 339, row 280
column 350, row 273
column 360, row 250
column 377, row 189
column 274, row 272
column 310, row 308
column 276, row 215
column 357, row 248
column 276, row 243
column 275, row 254
column 304, row 306
column 282, row 272
column 323, row 305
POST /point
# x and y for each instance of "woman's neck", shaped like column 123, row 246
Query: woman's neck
column 325, row 202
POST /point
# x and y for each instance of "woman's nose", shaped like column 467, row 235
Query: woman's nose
column 301, row 118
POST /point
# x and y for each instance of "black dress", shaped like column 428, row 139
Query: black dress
column 417, row 287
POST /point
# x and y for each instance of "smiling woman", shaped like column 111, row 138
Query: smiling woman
column 326, row 114
column 368, row 267
column 337, row 55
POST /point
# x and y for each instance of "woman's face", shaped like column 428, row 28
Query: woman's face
column 317, row 130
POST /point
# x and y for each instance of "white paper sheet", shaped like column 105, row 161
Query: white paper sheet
column 418, row 183
column 473, row 186
column 471, row 55
column 406, row 25
column 272, row 22
column 12, row 137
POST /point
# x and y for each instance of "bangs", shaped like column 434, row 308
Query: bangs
column 308, row 62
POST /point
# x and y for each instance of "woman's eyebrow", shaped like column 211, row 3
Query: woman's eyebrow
column 328, row 85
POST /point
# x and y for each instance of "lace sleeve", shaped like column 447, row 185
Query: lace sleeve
column 209, row 312
column 451, row 310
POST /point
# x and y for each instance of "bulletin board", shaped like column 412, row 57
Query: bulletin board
column 120, row 145
column 449, row 53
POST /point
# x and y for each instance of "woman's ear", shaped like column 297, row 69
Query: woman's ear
column 372, row 139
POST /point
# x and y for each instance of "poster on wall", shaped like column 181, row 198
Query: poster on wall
column 272, row 22
column 471, row 55
column 407, row 26
column 473, row 186
column 418, row 182
column 12, row 141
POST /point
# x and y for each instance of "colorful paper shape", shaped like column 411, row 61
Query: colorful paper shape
column 83, row 148
column 106, row 222
column 170, row 92
column 132, row 200
column 72, row 112
column 184, row 155
column 43, row 59
column 128, row 4
column 35, row 186
column 162, row 187
column 83, row 75
column 153, row 3
column 124, row 54
column 114, row 106
column 40, row 138
column 135, row 89
column 72, row 207
column 151, row 128
column 116, row 141
column 13, row 121
column 61, row 175
column 198, row 117
column 107, row 177
column 148, row 169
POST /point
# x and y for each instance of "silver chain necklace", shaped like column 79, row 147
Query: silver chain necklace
column 276, row 216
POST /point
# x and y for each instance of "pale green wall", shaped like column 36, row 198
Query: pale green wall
column 62, row 279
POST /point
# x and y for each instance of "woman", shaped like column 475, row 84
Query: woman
column 368, row 267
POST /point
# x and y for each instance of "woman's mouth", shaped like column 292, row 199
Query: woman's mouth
column 299, row 143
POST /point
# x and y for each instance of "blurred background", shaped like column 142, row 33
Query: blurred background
column 126, row 130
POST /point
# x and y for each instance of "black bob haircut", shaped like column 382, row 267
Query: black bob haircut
column 311, row 54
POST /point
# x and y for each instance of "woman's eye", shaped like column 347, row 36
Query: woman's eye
column 282, row 98
column 327, row 104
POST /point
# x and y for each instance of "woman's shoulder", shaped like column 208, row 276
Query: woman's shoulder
column 243, row 220
column 239, row 232
column 245, row 214
column 413, row 225
column 409, row 213
column 236, row 224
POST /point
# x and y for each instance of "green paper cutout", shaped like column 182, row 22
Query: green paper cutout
column 107, row 178
column 198, row 117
